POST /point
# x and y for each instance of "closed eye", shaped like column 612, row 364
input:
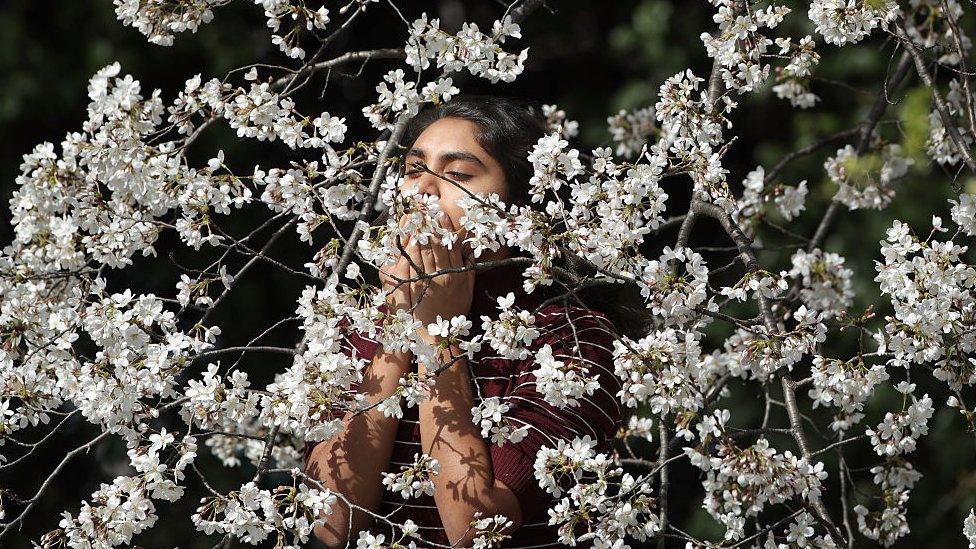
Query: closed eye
column 459, row 176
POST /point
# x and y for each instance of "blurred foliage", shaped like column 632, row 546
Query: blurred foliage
column 590, row 62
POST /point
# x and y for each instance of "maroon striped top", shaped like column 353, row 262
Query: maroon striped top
column 597, row 415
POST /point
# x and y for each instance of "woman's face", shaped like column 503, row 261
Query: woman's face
column 448, row 147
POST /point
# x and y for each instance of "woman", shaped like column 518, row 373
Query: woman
column 482, row 144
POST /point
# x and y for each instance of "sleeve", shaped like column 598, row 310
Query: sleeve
column 355, row 345
column 597, row 415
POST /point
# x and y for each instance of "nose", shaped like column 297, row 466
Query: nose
column 428, row 183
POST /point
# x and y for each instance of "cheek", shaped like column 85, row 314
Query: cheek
column 502, row 191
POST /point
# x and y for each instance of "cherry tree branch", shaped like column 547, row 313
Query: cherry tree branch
column 8, row 527
column 744, row 243
column 866, row 129
column 963, row 65
column 940, row 104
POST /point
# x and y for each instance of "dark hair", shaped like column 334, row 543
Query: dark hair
column 508, row 128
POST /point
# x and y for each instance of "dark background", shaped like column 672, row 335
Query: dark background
column 591, row 61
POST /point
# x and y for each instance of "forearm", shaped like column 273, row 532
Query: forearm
column 466, row 482
column 351, row 462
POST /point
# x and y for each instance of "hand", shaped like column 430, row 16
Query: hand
column 398, row 293
column 446, row 295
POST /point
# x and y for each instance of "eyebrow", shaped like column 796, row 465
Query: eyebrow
column 450, row 156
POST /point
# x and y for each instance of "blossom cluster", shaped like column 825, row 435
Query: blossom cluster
column 691, row 130
column 826, row 284
column 611, row 212
column 252, row 514
column 759, row 352
column 558, row 122
column 850, row 21
column 471, row 49
column 793, row 80
column 414, row 479
column 213, row 403
column 488, row 530
column 931, row 289
column 159, row 19
column 664, row 370
column 607, row 519
column 455, row 331
column 741, row 65
column 290, row 42
column 630, row 130
column 754, row 205
column 513, row 330
column 119, row 510
column 552, row 165
column 562, row 382
column 867, row 181
column 895, row 479
column 740, row 482
column 760, row 284
column 845, row 385
column 940, row 147
column 675, row 285
column 898, row 432
column 368, row 540
column 489, row 414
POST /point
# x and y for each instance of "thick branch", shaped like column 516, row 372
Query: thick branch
column 663, row 487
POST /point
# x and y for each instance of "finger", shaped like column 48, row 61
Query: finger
column 462, row 257
column 443, row 258
column 402, row 243
column 416, row 262
column 404, row 239
column 427, row 255
column 402, row 267
column 456, row 251
column 397, row 266
column 462, row 234
column 464, row 249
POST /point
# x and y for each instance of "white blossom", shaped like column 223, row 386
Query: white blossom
column 969, row 528
column 414, row 479
column 899, row 431
column 849, row 21
column 827, row 285
column 866, row 182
